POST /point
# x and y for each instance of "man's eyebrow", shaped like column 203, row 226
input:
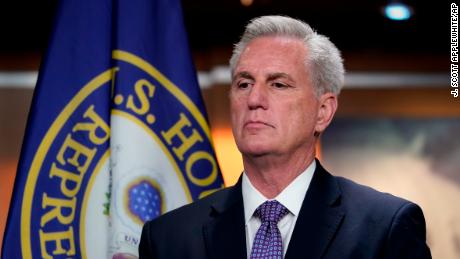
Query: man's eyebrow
column 274, row 76
column 243, row 74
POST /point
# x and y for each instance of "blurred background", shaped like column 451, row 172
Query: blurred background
column 397, row 125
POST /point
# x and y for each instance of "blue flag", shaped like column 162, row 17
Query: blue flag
column 116, row 136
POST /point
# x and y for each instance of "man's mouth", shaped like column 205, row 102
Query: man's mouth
column 257, row 124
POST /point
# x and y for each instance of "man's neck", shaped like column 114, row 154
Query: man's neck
column 271, row 175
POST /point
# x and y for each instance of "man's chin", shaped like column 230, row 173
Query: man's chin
column 256, row 151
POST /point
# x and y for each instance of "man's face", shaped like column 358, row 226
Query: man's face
column 274, row 110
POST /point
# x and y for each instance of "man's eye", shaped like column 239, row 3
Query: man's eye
column 279, row 85
column 243, row 85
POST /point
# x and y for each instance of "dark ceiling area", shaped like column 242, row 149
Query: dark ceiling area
column 354, row 25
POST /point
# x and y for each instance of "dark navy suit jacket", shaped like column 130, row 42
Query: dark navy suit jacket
column 339, row 219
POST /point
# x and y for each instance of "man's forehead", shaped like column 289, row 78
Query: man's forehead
column 275, row 39
column 271, row 56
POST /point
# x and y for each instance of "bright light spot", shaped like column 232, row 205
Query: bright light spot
column 398, row 12
column 246, row 2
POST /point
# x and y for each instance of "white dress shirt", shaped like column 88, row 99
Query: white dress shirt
column 291, row 197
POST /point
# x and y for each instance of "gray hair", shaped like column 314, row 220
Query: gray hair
column 323, row 57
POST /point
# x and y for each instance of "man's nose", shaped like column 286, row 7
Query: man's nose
column 258, row 97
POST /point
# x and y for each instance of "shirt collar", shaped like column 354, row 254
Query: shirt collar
column 291, row 197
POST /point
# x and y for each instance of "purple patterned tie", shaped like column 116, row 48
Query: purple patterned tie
column 268, row 243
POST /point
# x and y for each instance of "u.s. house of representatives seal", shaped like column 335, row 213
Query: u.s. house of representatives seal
column 103, row 169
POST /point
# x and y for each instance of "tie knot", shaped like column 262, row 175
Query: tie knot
column 271, row 211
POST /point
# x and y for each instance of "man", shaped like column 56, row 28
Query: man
column 285, row 83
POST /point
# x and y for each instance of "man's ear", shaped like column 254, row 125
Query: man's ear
column 327, row 106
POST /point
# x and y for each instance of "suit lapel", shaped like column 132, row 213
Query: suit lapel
column 224, row 234
column 319, row 217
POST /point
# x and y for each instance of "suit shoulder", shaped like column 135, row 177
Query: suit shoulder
column 176, row 233
column 361, row 195
column 195, row 211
